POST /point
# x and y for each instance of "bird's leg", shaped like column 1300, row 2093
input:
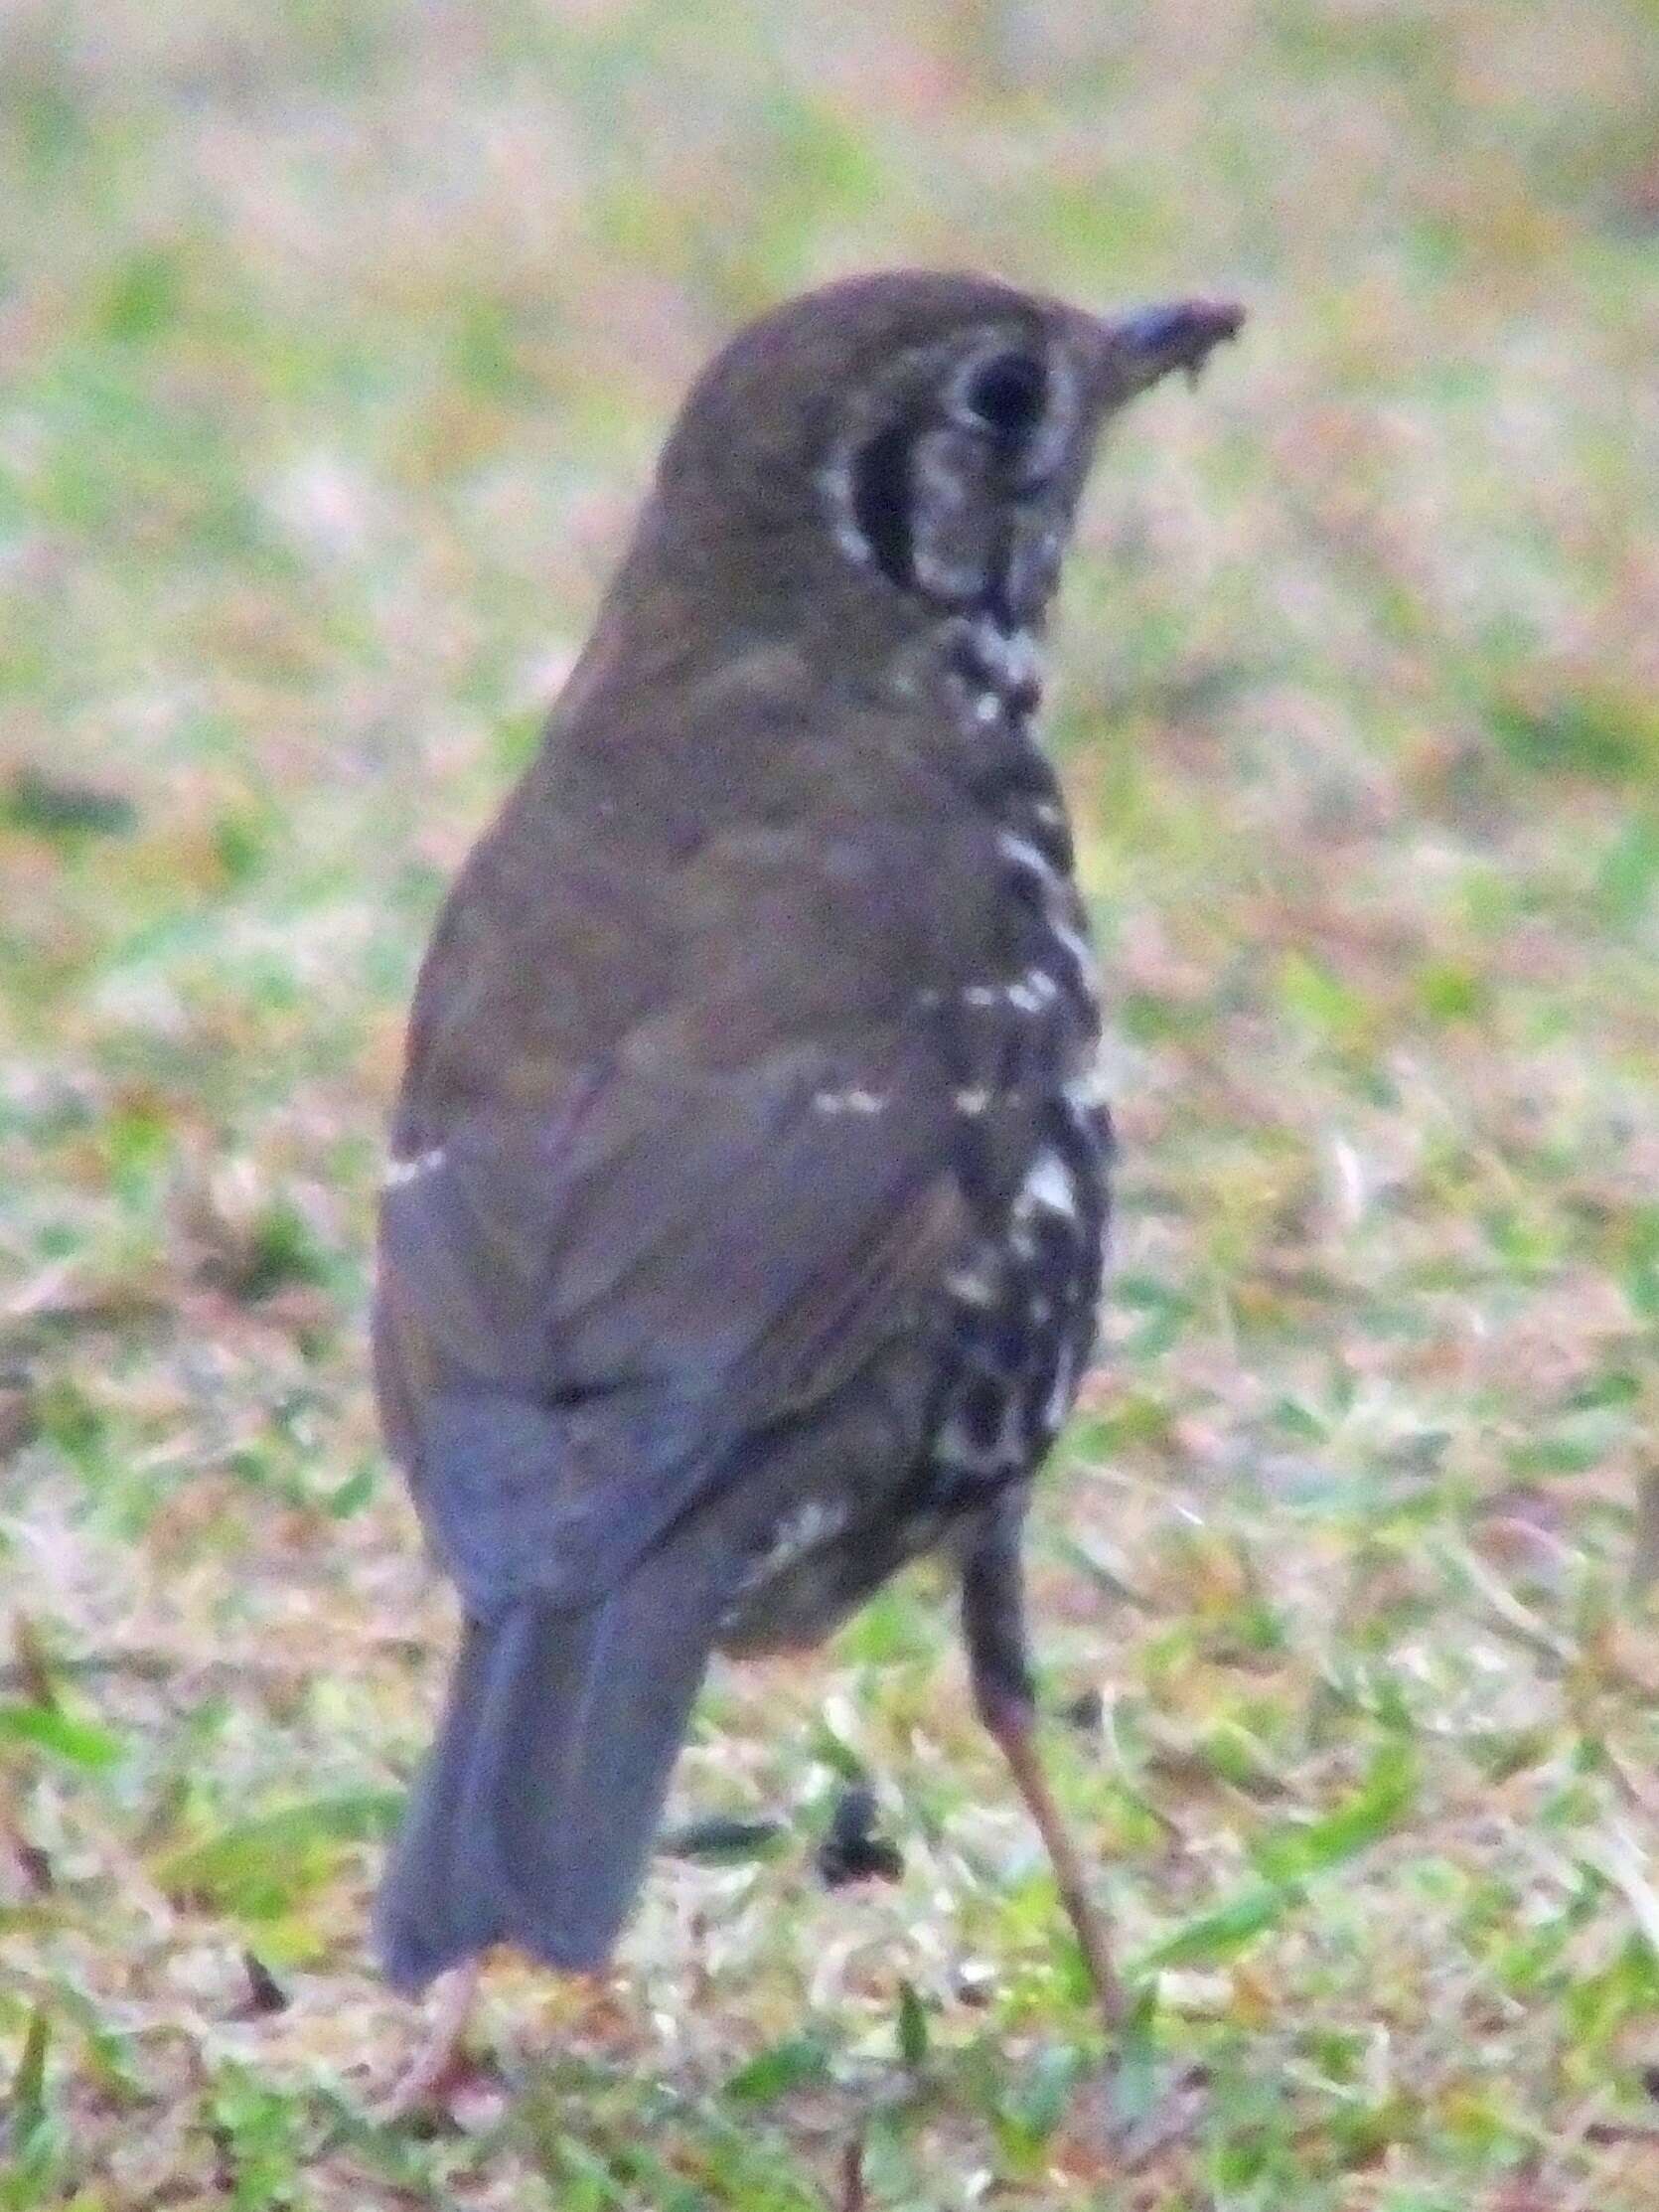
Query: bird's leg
column 998, row 1652
column 436, row 2065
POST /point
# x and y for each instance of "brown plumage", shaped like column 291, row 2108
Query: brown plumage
column 742, row 1233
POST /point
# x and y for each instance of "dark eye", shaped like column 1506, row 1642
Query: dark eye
column 1007, row 393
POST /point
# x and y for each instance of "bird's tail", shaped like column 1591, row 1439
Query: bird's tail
column 533, row 1816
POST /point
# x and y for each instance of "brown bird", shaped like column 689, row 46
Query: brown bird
column 742, row 1235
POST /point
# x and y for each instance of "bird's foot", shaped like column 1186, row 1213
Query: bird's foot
column 440, row 2066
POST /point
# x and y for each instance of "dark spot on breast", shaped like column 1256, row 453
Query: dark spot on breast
column 982, row 1411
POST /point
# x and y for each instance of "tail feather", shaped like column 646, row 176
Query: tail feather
column 535, row 1815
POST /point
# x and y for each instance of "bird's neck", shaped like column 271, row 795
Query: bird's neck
column 990, row 664
column 956, row 691
column 978, row 678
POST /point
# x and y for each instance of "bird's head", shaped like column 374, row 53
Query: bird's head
column 917, row 440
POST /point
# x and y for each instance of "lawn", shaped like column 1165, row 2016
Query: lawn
column 335, row 338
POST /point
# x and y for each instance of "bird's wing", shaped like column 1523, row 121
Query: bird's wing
column 590, row 1319
column 599, row 1294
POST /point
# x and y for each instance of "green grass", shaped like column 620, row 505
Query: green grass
column 333, row 343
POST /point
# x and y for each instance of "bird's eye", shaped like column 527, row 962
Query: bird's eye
column 1007, row 393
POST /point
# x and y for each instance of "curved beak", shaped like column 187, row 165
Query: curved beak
column 1146, row 344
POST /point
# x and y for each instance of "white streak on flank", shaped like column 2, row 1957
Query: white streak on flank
column 1060, row 1396
column 972, row 1100
column 1085, row 1091
column 1009, row 658
column 400, row 1171
column 1030, row 861
column 988, row 709
column 1049, row 1185
column 972, row 1286
column 1073, row 942
column 1024, row 856
column 852, row 1101
column 1029, row 991
column 1033, row 991
column 810, row 1524
column 1051, row 815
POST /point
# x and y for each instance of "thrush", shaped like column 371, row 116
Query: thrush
column 742, row 1234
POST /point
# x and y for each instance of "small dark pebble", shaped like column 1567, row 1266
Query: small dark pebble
column 1650, row 2082
column 264, row 1992
column 53, row 806
column 851, row 1851
column 17, row 1415
column 719, row 1839
column 37, row 1868
column 1087, row 1713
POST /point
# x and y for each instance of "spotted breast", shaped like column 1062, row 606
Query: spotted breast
column 1023, row 1305
column 1031, row 1151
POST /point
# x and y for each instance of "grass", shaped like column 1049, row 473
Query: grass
column 334, row 342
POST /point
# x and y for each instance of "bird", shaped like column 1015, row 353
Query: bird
column 742, row 1233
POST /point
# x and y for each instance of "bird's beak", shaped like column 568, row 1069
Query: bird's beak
column 1147, row 343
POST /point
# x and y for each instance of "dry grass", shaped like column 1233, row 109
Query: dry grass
column 335, row 338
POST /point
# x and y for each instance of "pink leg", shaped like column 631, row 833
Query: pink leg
column 1013, row 1727
column 993, row 1617
column 993, row 1621
column 438, row 2062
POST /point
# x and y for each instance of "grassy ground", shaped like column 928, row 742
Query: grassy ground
column 333, row 340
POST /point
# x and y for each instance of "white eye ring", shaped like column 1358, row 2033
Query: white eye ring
column 1041, row 445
